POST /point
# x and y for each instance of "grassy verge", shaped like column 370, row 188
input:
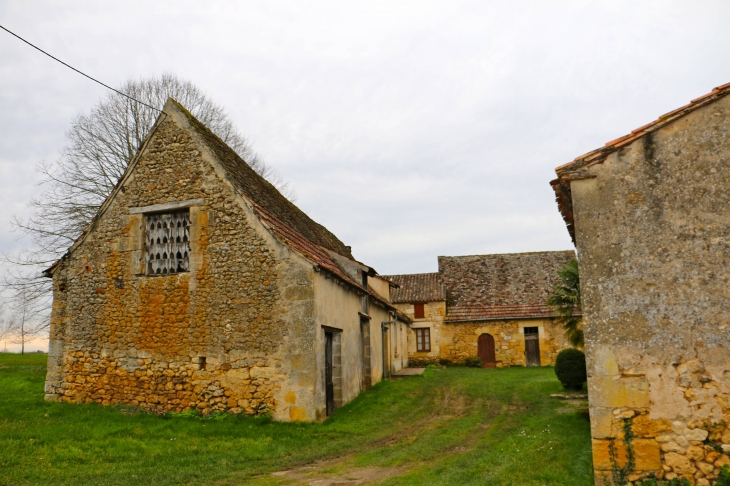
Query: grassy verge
column 456, row 426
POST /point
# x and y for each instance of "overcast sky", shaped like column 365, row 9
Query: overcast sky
column 409, row 129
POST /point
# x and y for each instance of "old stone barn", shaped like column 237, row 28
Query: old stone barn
column 491, row 307
column 650, row 216
column 198, row 285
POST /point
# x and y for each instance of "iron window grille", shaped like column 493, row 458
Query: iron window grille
column 167, row 243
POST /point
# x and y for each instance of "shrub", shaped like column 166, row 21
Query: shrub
column 570, row 367
column 473, row 362
column 723, row 479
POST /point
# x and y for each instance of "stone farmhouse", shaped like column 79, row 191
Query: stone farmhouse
column 650, row 216
column 198, row 285
column 487, row 306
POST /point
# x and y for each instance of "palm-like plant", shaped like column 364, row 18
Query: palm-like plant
column 565, row 300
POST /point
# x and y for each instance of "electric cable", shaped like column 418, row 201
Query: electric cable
column 83, row 74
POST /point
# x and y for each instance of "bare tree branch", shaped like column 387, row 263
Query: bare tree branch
column 100, row 147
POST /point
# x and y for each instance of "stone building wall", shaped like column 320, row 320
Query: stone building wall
column 118, row 335
column 433, row 319
column 652, row 228
column 459, row 340
column 337, row 308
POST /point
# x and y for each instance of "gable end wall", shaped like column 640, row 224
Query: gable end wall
column 653, row 236
column 118, row 336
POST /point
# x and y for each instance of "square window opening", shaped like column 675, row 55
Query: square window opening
column 529, row 331
column 167, row 243
column 423, row 339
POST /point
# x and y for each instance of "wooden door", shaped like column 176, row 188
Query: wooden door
column 328, row 382
column 532, row 349
column 486, row 352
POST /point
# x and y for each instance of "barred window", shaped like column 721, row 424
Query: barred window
column 167, row 243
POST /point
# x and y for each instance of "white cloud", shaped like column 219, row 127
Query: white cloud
column 409, row 129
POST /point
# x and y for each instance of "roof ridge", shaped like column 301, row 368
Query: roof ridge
column 407, row 274
column 600, row 154
column 262, row 192
column 509, row 254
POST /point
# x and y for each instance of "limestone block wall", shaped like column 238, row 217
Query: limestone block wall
column 433, row 319
column 218, row 337
column 652, row 227
column 459, row 340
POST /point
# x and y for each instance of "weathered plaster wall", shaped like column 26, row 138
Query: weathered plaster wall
column 246, row 305
column 653, row 235
column 397, row 347
column 337, row 307
column 459, row 340
column 433, row 319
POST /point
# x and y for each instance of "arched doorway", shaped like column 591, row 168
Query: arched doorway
column 486, row 352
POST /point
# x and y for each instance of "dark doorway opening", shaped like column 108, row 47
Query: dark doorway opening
column 328, row 373
column 485, row 346
column 532, row 346
column 367, row 379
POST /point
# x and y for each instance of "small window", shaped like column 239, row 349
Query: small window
column 419, row 311
column 167, row 243
column 423, row 339
column 530, row 331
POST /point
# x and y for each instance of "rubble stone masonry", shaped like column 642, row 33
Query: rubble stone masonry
column 460, row 340
column 652, row 228
column 213, row 338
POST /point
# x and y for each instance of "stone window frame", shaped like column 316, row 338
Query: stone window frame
column 165, row 208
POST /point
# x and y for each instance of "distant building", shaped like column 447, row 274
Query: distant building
column 650, row 216
column 488, row 306
column 198, row 285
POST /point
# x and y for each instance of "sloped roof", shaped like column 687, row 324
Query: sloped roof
column 513, row 285
column 416, row 288
column 573, row 169
column 290, row 224
column 263, row 193
column 501, row 312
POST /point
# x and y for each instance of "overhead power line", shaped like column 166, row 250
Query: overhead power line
column 83, row 74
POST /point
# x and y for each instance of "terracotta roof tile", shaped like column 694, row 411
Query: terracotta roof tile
column 500, row 286
column 497, row 312
column 572, row 169
column 312, row 252
column 263, row 193
column 416, row 288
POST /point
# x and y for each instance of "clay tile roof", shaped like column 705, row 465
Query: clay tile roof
column 263, row 193
column 281, row 216
column 416, row 288
column 572, row 170
column 514, row 285
column 483, row 313
column 314, row 253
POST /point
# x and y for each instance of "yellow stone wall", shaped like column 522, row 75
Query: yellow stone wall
column 459, row 340
column 651, row 229
column 433, row 319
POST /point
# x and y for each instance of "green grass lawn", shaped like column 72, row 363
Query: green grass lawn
column 457, row 426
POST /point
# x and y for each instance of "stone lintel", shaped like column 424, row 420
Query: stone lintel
column 156, row 208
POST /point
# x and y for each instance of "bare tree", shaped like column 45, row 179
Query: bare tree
column 27, row 319
column 100, row 147
column 7, row 326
